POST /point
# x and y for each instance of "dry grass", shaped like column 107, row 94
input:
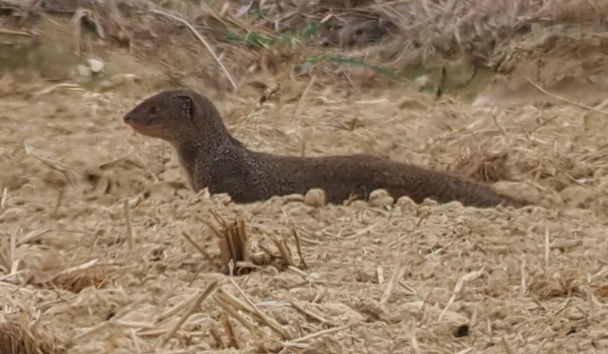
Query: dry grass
column 414, row 32
column 356, row 46
column 396, row 34
column 462, row 277
column 19, row 335
column 77, row 280
column 234, row 245
column 484, row 167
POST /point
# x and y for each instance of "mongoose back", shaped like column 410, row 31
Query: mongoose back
column 214, row 159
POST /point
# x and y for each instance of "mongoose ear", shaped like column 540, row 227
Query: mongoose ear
column 187, row 105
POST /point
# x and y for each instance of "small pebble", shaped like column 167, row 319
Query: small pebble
column 315, row 198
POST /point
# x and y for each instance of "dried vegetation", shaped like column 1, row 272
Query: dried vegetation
column 103, row 249
column 20, row 336
column 382, row 38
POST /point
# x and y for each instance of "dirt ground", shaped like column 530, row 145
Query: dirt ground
column 472, row 280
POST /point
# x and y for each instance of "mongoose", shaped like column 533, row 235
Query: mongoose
column 214, row 159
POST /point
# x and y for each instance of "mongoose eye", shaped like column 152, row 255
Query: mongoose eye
column 154, row 110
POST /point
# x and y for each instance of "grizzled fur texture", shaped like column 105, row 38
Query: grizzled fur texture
column 214, row 159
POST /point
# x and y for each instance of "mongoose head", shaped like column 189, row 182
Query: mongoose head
column 179, row 117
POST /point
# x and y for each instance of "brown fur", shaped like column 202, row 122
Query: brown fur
column 214, row 159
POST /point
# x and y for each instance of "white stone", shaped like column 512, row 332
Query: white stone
column 96, row 65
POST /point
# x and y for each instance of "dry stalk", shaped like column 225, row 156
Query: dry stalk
column 86, row 335
column 409, row 288
column 225, row 303
column 284, row 250
column 205, row 43
column 13, row 248
column 79, row 14
column 4, row 197
column 200, row 249
column 581, row 105
column 58, row 201
column 523, row 287
column 63, row 87
column 412, row 338
column 316, row 335
column 459, row 288
column 299, row 248
column 236, row 303
column 540, row 346
column 17, row 336
column 135, row 340
column 16, row 33
column 302, row 100
column 270, row 253
column 195, row 305
column 217, row 338
column 130, row 237
column 270, row 322
column 380, row 275
column 319, row 296
column 77, row 21
column 546, row 248
column 473, row 319
column 175, row 309
column 232, row 337
column 155, row 332
column 565, row 244
column 398, row 273
column 505, row 344
column 4, row 263
column 234, row 244
column 314, row 315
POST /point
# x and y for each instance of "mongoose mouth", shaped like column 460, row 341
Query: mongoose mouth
column 134, row 123
column 128, row 119
column 145, row 127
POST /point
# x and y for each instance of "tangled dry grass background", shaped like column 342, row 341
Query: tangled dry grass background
column 103, row 249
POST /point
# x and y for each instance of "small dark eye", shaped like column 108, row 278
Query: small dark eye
column 154, row 109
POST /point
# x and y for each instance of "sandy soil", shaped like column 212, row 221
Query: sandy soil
column 473, row 280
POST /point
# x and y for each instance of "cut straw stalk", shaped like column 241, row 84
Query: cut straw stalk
column 130, row 236
column 270, row 322
column 398, row 273
column 195, row 305
column 227, row 304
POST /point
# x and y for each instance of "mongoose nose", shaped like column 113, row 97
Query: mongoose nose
column 126, row 119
